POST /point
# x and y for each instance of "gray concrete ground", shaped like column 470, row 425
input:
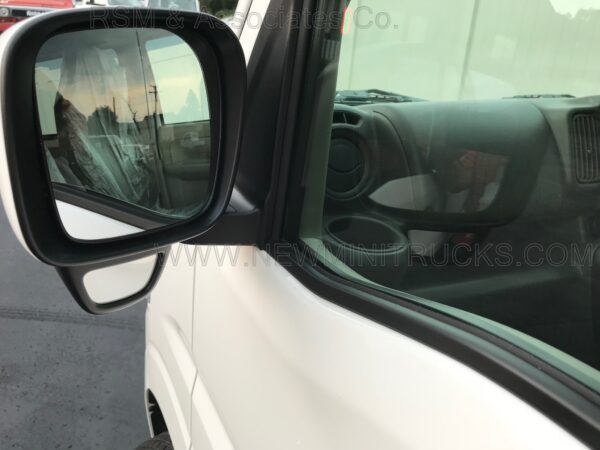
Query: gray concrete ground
column 68, row 380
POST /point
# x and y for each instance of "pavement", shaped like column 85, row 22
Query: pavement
column 68, row 380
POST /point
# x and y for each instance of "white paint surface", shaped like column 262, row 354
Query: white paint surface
column 280, row 368
column 6, row 192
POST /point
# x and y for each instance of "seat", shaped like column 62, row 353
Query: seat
column 104, row 150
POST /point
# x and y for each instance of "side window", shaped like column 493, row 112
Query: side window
column 129, row 121
column 464, row 167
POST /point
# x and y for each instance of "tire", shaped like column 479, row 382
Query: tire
column 160, row 442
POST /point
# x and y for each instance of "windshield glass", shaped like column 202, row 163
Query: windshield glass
column 484, row 49
column 179, row 5
column 137, row 3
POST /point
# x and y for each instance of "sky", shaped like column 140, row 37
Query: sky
column 574, row 6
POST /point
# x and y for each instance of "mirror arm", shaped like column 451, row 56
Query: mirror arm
column 233, row 228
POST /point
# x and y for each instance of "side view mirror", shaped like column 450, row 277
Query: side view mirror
column 119, row 137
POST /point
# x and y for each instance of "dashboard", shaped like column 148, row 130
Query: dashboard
column 537, row 157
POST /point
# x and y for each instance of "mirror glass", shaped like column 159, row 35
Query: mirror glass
column 119, row 282
column 125, row 121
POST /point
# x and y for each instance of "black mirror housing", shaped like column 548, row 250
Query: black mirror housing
column 26, row 190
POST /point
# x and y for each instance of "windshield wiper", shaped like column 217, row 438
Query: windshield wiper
column 370, row 96
column 535, row 96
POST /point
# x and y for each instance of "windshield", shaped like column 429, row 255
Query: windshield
column 138, row 3
column 179, row 5
column 471, row 50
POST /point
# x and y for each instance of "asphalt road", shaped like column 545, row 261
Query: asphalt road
column 68, row 380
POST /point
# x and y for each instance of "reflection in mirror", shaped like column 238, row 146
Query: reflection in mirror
column 87, row 225
column 115, row 283
column 125, row 121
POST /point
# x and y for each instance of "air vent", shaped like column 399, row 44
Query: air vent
column 346, row 171
column 345, row 117
column 585, row 140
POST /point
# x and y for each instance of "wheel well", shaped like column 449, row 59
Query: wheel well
column 156, row 417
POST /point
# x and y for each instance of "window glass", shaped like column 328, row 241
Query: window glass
column 219, row 8
column 180, row 5
column 463, row 169
column 492, row 50
column 224, row 9
column 135, row 3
